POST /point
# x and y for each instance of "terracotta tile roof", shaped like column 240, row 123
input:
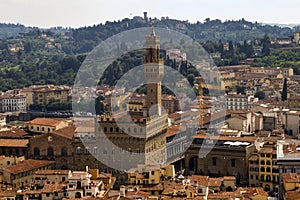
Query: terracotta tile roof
column 51, row 188
column 291, row 178
column 7, row 193
column 229, row 178
column 168, row 191
column 67, row 132
column 173, row 130
column 253, row 158
column 293, row 195
column 13, row 133
column 215, row 182
column 45, row 122
column 200, row 180
column 251, row 192
column 27, row 165
column 266, row 150
column 52, row 172
column 14, row 142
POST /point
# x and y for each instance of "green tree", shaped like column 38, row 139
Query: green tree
column 191, row 79
column 260, row 95
column 284, row 91
column 266, row 43
column 231, row 49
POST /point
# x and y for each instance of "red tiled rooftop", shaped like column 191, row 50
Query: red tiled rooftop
column 291, row 178
column 13, row 133
column 200, row 180
column 67, row 132
column 45, row 122
column 14, row 142
column 27, row 165
column 173, row 130
column 253, row 158
column 215, row 182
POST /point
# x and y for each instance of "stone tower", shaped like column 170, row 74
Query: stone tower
column 139, row 139
column 153, row 72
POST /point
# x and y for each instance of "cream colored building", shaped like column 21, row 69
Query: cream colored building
column 23, row 172
column 43, row 177
column 10, row 160
column 45, row 94
column 46, row 125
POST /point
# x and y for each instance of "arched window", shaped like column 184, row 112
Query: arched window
column 111, row 129
column 50, row 151
column 262, row 162
column 64, row 151
column 268, row 162
column 262, row 169
column 86, row 150
column 78, row 150
column 268, row 169
column 36, row 152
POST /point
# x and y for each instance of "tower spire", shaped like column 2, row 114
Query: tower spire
column 153, row 32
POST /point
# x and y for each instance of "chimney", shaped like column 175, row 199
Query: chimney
column 122, row 191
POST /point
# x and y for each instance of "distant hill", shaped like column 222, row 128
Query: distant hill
column 292, row 26
column 53, row 56
column 210, row 30
column 12, row 30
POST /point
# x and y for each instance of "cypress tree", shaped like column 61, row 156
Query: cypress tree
column 284, row 91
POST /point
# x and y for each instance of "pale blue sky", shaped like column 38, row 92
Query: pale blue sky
column 76, row 13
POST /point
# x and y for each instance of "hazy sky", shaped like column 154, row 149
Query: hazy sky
column 76, row 13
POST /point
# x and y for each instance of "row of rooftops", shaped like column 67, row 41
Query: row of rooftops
column 46, row 88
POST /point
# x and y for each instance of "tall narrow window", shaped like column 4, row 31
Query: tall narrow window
column 50, row 151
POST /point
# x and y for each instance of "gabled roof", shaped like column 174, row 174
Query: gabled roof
column 45, row 122
column 27, row 165
column 67, row 132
